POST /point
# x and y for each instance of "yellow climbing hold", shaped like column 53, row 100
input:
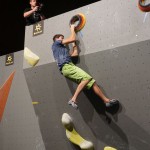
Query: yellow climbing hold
column 35, row 103
column 109, row 148
column 73, row 136
column 31, row 58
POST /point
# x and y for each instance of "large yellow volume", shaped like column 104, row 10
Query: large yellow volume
column 73, row 135
column 31, row 58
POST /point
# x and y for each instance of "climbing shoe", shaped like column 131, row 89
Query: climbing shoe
column 111, row 102
column 73, row 104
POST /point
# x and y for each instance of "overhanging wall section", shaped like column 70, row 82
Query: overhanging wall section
column 122, row 73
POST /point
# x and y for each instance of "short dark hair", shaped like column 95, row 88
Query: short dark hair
column 57, row 36
column 31, row 0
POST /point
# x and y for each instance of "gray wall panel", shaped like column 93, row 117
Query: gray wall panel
column 19, row 126
column 44, row 87
column 122, row 73
column 109, row 24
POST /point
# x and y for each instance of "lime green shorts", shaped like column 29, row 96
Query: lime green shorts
column 76, row 74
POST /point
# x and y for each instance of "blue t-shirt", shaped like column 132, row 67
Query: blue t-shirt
column 61, row 54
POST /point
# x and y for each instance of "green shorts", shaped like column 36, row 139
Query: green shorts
column 76, row 74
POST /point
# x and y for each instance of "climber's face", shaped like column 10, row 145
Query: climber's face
column 60, row 38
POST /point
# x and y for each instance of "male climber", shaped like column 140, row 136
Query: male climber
column 71, row 71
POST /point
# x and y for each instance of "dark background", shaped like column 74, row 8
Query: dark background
column 12, row 25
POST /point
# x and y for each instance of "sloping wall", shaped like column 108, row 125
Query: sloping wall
column 19, row 128
column 122, row 73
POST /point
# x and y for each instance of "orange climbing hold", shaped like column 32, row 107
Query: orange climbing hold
column 143, row 7
column 79, row 20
